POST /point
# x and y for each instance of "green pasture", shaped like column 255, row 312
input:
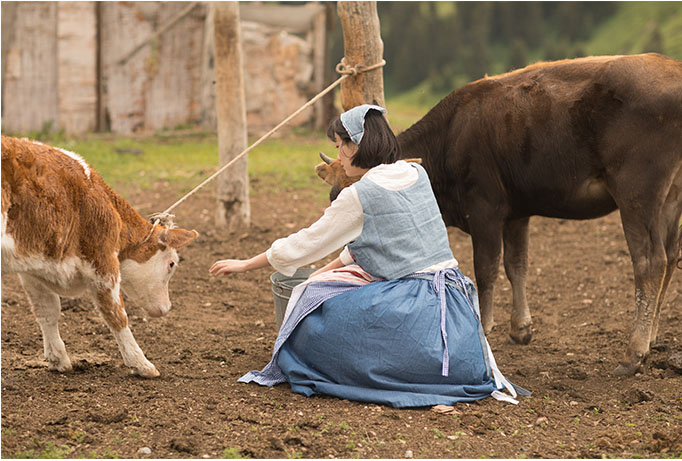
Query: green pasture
column 183, row 159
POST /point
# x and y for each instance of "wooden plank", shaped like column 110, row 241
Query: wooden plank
column 30, row 72
column 77, row 66
column 124, row 24
column 173, row 96
column 292, row 19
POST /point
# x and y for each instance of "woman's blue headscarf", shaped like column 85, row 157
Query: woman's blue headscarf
column 353, row 120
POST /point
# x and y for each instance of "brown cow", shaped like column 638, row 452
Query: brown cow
column 572, row 139
column 66, row 233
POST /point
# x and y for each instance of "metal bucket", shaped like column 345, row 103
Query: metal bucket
column 281, row 290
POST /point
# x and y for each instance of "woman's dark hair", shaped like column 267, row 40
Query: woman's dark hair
column 378, row 144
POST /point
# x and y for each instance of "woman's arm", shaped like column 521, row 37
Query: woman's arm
column 229, row 266
column 341, row 223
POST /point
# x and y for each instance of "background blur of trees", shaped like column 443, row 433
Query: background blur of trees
column 440, row 46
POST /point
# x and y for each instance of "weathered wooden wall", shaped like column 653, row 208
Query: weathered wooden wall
column 159, row 86
column 50, row 67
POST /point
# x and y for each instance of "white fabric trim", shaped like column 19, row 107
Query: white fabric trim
column 500, row 380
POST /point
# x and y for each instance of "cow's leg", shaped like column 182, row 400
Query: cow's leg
column 515, row 235
column 111, row 306
column 657, row 313
column 644, row 235
column 486, row 236
column 46, row 307
column 672, row 209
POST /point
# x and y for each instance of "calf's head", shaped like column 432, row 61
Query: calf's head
column 147, row 268
column 333, row 174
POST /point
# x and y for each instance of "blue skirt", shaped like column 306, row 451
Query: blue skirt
column 383, row 343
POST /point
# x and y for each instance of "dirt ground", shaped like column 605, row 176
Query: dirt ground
column 581, row 295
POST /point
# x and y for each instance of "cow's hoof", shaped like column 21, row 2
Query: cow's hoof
column 488, row 327
column 627, row 369
column 522, row 335
column 147, row 373
column 62, row 366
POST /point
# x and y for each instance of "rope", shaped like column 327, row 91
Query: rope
column 341, row 68
column 344, row 69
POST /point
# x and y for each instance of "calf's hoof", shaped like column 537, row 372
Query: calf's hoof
column 522, row 335
column 628, row 369
column 147, row 372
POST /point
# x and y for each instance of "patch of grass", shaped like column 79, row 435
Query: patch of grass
column 438, row 434
column 45, row 451
column 232, row 453
column 109, row 454
column 293, row 454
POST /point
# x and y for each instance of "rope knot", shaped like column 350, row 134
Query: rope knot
column 344, row 69
column 164, row 219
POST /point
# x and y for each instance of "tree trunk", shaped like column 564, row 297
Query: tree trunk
column 362, row 46
column 233, row 185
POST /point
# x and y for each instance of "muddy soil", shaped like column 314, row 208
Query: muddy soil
column 581, row 294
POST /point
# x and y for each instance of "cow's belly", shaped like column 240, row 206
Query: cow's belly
column 587, row 200
column 590, row 199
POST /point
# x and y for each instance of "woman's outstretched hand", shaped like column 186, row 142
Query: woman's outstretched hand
column 228, row 266
column 231, row 266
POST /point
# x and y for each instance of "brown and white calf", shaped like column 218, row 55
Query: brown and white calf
column 66, row 233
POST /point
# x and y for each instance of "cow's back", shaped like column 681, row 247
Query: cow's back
column 548, row 135
column 51, row 200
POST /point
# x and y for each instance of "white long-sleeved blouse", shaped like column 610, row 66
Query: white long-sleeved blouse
column 340, row 224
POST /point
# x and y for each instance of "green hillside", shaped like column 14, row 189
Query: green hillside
column 639, row 27
column 432, row 48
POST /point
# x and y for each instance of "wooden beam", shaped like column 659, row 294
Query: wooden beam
column 362, row 46
column 233, row 185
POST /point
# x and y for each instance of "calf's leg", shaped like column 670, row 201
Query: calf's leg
column 46, row 307
column 111, row 306
column 515, row 237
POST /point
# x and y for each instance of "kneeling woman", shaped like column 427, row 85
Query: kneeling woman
column 391, row 320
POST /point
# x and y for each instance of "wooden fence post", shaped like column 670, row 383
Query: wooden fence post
column 362, row 46
column 233, row 185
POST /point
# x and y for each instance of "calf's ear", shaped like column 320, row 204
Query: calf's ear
column 178, row 238
column 323, row 171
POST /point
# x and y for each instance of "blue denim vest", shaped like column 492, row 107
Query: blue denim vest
column 402, row 231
